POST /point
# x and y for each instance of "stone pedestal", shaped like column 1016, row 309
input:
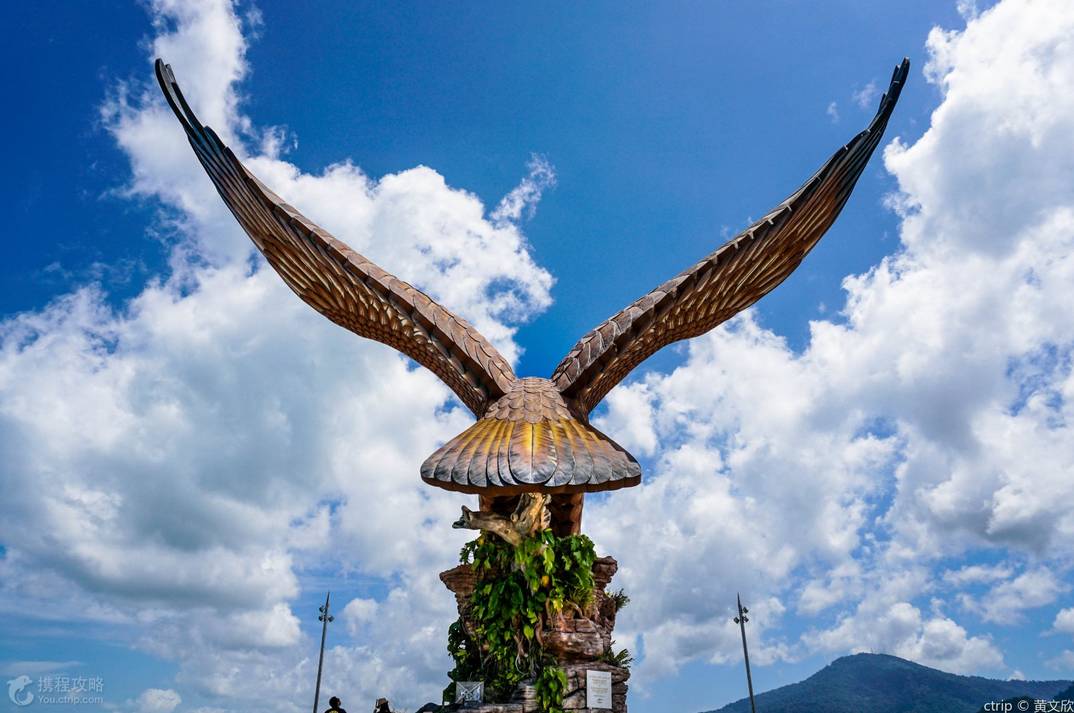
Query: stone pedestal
column 578, row 641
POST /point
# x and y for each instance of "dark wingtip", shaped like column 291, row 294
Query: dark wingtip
column 891, row 96
column 898, row 77
column 170, row 88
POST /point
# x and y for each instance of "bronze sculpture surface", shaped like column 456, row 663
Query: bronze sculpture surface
column 532, row 435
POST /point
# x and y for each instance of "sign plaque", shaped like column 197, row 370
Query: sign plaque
column 469, row 691
column 598, row 689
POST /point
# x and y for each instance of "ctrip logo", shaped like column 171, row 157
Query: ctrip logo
column 16, row 691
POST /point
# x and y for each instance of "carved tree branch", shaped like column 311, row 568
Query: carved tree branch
column 530, row 516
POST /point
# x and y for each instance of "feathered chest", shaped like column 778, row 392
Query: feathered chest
column 529, row 440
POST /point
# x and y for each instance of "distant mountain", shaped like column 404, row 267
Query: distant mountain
column 887, row 684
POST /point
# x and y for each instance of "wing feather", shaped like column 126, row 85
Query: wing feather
column 727, row 281
column 338, row 282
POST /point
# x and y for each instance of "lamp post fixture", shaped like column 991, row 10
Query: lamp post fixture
column 741, row 620
column 325, row 617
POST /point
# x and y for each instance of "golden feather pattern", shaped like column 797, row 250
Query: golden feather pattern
column 339, row 283
column 729, row 280
column 529, row 440
column 532, row 435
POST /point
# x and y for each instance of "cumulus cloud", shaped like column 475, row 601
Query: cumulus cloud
column 1008, row 601
column 171, row 461
column 158, row 700
column 900, row 628
column 1064, row 621
column 928, row 420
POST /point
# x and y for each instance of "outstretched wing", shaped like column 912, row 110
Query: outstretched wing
column 341, row 284
column 729, row 280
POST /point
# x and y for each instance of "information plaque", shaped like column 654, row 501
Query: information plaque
column 598, row 689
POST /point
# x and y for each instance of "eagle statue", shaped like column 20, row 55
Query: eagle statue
column 532, row 436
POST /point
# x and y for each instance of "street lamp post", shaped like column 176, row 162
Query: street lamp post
column 325, row 617
column 741, row 620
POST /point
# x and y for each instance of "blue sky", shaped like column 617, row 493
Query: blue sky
column 664, row 127
column 877, row 464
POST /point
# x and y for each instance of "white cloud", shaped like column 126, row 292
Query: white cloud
column 1064, row 621
column 886, row 622
column 630, row 415
column 158, row 700
column 359, row 612
column 1007, row 602
column 522, row 200
column 171, row 462
column 726, row 511
column 968, row 9
column 842, row 582
column 976, row 574
column 929, row 420
column 867, row 95
column 833, row 112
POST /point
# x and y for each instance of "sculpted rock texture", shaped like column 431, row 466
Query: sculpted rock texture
column 578, row 640
column 532, row 434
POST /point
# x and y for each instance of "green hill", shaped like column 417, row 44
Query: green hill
column 887, row 684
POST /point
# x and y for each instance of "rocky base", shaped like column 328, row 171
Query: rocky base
column 525, row 699
column 579, row 640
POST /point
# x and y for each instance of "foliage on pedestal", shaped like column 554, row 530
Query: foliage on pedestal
column 518, row 590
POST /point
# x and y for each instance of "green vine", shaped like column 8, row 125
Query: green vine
column 551, row 684
column 518, row 590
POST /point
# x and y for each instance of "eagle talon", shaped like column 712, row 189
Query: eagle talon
column 463, row 523
column 530, row 516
